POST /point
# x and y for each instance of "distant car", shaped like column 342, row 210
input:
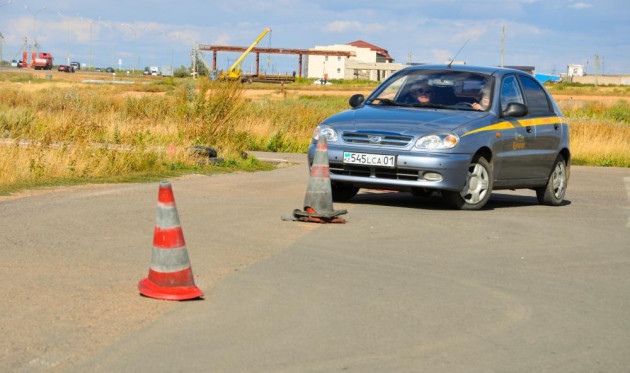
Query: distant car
column 109, row 70
column 99, row 70
column 76, row 65
column 146, row 72
column 22, row 64
column 459, row 130
column 14, row 63
column 63, row 68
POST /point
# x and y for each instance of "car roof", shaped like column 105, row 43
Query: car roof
column 489, row 70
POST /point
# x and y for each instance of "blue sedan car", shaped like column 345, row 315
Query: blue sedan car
column 461, row 130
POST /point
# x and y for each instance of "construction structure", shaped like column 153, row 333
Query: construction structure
column 256, row 76
column 234, row 73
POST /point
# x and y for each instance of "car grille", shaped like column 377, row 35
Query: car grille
column 378, row 172
column 376, row 139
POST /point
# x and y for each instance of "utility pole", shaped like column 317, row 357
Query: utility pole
column 90, row 59
column 67, row 39
column 135, row 39
column 502, row 44
column 2, row 36
column 596, row 68
column 586, row 68
column 34, row 13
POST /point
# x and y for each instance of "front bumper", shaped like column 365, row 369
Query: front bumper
column 409, row 171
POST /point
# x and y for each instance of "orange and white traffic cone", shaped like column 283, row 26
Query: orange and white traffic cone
column 170, row 275
column 318, row 203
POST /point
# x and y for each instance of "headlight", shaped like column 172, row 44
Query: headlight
column 331, row 134
column 438, row 141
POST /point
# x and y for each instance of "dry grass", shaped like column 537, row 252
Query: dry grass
column 600, row 143
column 600, row 132
column 71, row 130
column 75, row 125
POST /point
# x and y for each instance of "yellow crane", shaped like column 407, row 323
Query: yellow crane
column 234, row 73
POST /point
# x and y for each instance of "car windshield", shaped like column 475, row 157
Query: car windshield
column 442, row 89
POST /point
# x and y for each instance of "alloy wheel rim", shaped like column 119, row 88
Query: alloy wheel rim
column 558, row 180
column 476, row 185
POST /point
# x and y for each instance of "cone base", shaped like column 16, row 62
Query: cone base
column 150, row 289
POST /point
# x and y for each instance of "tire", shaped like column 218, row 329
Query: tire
column 553, row 193
column 478, row 188
column 343, row 193
column 422, row 192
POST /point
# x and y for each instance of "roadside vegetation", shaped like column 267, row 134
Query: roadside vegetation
column 600, row 133
column 63, row 133
column 580, row 89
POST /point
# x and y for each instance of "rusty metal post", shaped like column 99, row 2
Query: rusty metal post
column 300, row 65
column 257, row 62
column 214, row 60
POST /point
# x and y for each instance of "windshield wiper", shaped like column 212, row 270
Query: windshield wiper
column 385, row 101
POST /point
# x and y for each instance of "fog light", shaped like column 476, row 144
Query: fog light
column 432, row 176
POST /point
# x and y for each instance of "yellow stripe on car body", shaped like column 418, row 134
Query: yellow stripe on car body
column 524, row 123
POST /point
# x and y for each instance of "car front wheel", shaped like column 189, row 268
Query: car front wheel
column 343, row 193
column 478, row 187
column 553, row 193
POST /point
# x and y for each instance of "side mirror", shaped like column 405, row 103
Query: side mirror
column 356, row 100
column 515, row 109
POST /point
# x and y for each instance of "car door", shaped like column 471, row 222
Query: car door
column 513, row 147
column 547, row 127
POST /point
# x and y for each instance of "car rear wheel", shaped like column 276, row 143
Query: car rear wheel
column 342, row 192
column 478, row 187
column 553, row 193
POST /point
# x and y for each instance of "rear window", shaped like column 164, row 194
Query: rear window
column 537, row 103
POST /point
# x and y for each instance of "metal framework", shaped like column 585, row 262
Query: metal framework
column 300, row 52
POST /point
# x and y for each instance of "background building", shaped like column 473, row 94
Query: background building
column 575, row 70
column 371, row 63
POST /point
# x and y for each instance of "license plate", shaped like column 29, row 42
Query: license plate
column 380, row 160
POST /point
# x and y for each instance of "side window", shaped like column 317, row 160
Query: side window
column 537, row 103
column 510, row 92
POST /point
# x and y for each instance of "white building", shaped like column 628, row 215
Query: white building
column 370, row 63
column 575, row 70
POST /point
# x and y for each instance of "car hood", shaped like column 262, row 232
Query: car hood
column 402, row 120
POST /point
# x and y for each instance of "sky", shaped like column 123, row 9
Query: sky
column 546, row 34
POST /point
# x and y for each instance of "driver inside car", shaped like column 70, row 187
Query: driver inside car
column 423, row 93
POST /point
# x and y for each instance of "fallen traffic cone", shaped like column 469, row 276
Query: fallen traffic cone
column 318, row 203
column 170, row 275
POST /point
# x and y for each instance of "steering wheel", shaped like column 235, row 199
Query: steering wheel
column 464, row 103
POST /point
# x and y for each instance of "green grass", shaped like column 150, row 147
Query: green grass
column 618, row 112
column 588, row 89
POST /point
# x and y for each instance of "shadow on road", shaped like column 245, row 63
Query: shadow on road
column 436, row 202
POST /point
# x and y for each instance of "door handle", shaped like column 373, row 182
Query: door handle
column 528, row 129
column 556, row 126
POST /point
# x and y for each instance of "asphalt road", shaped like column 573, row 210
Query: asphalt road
column 407, row 285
